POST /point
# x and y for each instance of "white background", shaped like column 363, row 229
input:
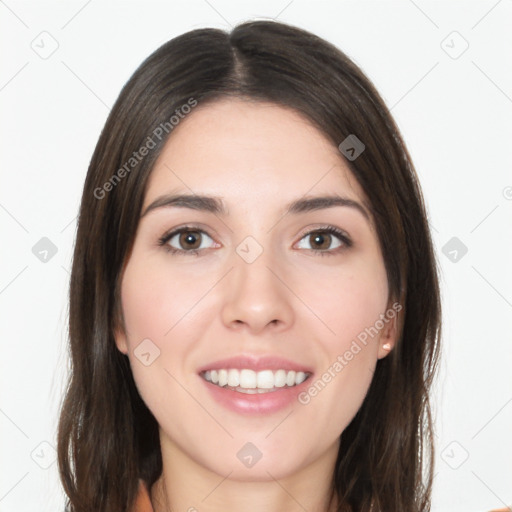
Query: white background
column 455, row 115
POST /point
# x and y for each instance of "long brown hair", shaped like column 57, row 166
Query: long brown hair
column 107, row 437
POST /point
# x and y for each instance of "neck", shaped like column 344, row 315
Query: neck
column 185, row 485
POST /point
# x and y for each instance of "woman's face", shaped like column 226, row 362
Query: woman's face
column 257, row 290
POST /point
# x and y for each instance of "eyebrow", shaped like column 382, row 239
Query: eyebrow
column 215, row 204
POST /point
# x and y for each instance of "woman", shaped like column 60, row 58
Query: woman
column 254, row 302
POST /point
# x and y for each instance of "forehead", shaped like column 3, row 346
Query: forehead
column 250, row 153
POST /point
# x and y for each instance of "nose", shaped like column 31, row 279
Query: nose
column 257, row 297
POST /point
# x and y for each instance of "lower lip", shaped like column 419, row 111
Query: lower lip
column 260, row 403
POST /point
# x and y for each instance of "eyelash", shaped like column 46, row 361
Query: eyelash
column 331, row 230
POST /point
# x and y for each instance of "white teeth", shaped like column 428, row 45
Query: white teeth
column 247, row 379
column 290, row 379
column 265, row 379
column 223, row 377
column 251, row 382
column 248, row 391
column 280, row 379
column 300, row 377
column 233, row 378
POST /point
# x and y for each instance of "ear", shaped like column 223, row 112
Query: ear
column 389, row 333
column 120, row 334
column 120, row 339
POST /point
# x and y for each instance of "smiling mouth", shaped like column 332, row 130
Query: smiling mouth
column 253, row 382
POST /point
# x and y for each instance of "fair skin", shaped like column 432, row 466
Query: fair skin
column 290, row 302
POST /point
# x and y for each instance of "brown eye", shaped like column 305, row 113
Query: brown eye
column 190, row 239
column 187, row 240
column 325, row 241
column 320, row 241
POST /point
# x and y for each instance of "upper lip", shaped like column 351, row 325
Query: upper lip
column 256, row 363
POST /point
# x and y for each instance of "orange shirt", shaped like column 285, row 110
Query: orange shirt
column 143, row 503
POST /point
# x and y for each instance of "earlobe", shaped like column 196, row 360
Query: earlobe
column 384, row 349
column 119, row 332
column 388, row 339
column 120, row 339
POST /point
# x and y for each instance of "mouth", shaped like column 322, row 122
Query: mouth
column 253, row 382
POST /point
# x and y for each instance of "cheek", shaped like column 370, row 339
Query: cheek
column 349, row 303
column 155, row 314
column 157, row 300
column 164, row 318
column 335, row 396
column 338, row 390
